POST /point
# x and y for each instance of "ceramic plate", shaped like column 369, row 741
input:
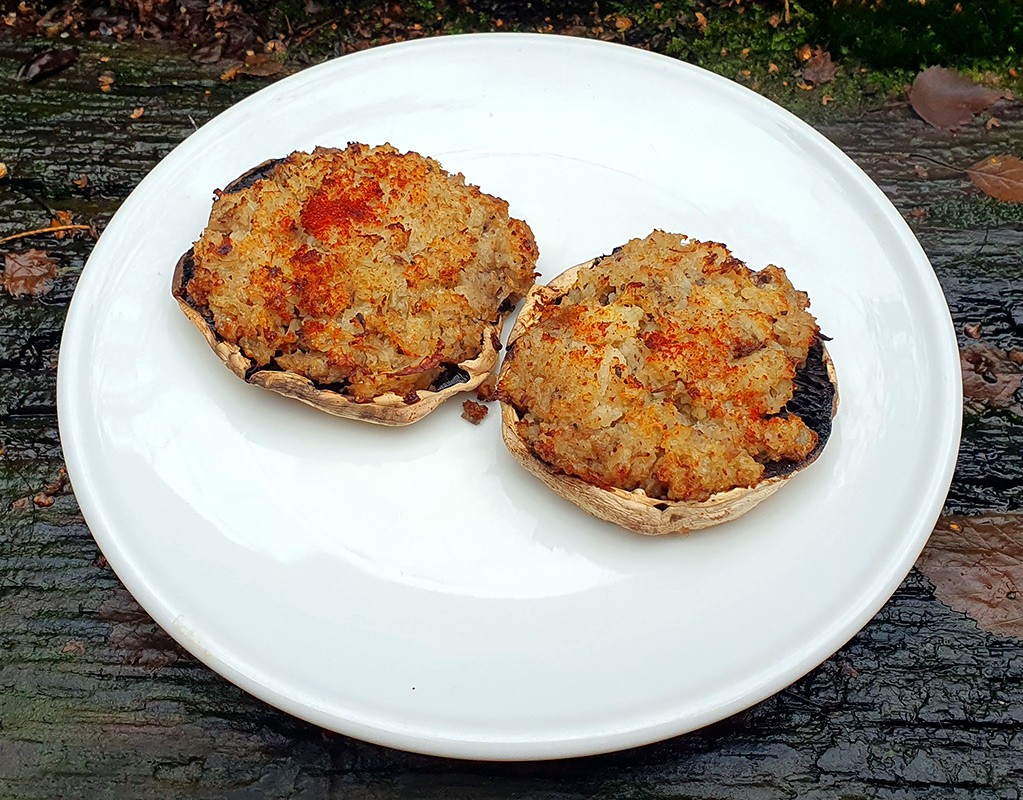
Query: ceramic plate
column 414, row 587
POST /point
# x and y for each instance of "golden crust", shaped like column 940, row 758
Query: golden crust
column 357, row 277
column 600, row 457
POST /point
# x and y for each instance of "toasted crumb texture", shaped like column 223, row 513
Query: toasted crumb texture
column 474, row 412
column 364, row 269
column 664, row 368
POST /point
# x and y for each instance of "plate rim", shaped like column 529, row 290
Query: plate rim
column 812, row 654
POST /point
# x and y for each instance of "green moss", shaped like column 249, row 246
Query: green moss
column 974, row 212
column 754, row 46
column 909, row 34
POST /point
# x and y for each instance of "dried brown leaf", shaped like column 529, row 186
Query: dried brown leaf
column 60, row 219
column 29, row 272
column 262, row 69
column 208, row 53
column 991, row 378
column 231, row 72
column 819, row 68
column 74, row 647
column 3, row 170
column 106, row 80
column 46, row 63
column 1000, row 177
column 945, row 99
column 976, row 566
column 137, row 112
column 82, row 181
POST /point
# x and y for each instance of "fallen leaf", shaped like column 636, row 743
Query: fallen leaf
column 918, row 213
column 772, row 67
column 61, row 218
column 137, row 112
column 972, row 330
column 73, row 648
column 82, row 181
column 231, row 72
column 42, row 500
column 29, row 272
column 3, row 170
column 58, row 484
column 827, row 99
column 22, row 504
column 819, row 68
column 921, row 172
column 1000, row 177
column 208, row 53
column 46, row 63
column 263, row 68
column 992, row 123
column 806, row 87
column 701, row 22
column 804, row 53
column 945, row 99
column 622, row 23
column 774, row 21
column 991, row 378
column 106, row 80
column 474, row 412
column 976, row 566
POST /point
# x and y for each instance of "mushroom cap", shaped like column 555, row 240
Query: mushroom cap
column 387, row 409
column 635, row 510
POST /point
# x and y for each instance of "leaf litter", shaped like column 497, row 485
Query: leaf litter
column 992, row 378
column 945, row 99
column 28, row 272
column 1000, row 177
column 976, row 566
column 46, row 62
column 819, row 68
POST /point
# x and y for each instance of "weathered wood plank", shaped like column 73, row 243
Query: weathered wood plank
column 95, row 700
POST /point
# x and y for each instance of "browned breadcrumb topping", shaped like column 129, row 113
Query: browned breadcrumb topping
column 486, row 392
column 363, row 268
column 474, row 412
column 664, row 368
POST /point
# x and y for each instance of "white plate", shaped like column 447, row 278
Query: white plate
column 414, row 587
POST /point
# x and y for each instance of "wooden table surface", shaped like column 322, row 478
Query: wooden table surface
column 95, row 701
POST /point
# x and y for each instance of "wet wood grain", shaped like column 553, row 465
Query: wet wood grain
column 95, row 701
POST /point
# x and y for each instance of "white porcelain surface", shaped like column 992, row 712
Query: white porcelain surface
column 413, row 586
